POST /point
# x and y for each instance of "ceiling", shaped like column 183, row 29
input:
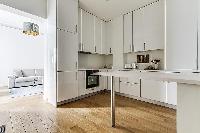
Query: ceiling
column 109, row 9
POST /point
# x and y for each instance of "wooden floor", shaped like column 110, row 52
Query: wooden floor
column 33, row 115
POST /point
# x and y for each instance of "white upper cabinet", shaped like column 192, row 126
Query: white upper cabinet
column 87, row 32
column 67, row 49
column 98, row 31
column 149, row 27
column 181, row 38
column 154, row 26
column 67, row 15
column 103, row 38
column 109, row 35
column 138, row 30
column 128, row 26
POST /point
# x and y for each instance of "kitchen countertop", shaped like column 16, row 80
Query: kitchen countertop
column 84, row 69
column 182, row 76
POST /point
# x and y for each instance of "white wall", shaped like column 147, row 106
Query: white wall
column 19, row 51
column 35, row 7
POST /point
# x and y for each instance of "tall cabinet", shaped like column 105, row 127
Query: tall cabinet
column 148, row 27
column 62, row 51
column 181, row 38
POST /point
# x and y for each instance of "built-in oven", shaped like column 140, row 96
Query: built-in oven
column 92, row 80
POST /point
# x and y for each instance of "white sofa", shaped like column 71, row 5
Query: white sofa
column 25, row 77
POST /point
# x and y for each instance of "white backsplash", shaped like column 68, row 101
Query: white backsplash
column 156, row 54
column 94, row 61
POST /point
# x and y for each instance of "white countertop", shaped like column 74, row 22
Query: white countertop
column 185, row 76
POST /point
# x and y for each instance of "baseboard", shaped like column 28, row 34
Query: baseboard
column 120, row 94
column 146, row 100
column 79, row 98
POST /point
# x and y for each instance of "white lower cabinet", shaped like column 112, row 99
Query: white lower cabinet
column 130, row 86
column 82, row 83
column 115, row 84
column 172, row 93
column 154, row 90
column 103, row 81
column 67, row 86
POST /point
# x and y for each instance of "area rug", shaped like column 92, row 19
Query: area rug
column 26, row 91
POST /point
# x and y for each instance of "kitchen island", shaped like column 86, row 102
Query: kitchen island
column 188, row 91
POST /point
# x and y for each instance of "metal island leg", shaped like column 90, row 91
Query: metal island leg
column 112, row 103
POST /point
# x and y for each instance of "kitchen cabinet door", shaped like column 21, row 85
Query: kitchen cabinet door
column 82, row 83
column 128, row 26
column 87, row 32
column 172, row 93
column 67, row 51
column 153, row 90
column 115, row 84
column 67, row 15
column 80, row 47
column 103, row 81
column 117, row 42
column 181, row 38
column 130, row 86
column 98, row 34
column 154, row 26
column 103, row 38
column 138, row 30
column 109, row 36
column 67, row 86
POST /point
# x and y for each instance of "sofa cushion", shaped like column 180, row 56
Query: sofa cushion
column 28, row 72
column 25, row 79
column 17, row 73
column 39, row 72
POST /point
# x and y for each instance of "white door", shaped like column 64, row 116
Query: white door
column 109, row 35
column 181, row 29
column 154, row 26
column 103, row 81
column 116, row 84
column 67, row 50
column 124, row 86
column 128, row 26
column 87, row 32
column 80, row 48
column 172, row 93
column 67, row 86
column 153, row 90
column 82, row 83
column 117, row 42
column 103, row 38
column 130, row 86
column 138, row 30
column 67, row 15
column 134, row 87
column 98, row 34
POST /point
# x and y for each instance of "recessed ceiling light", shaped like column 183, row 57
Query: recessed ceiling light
column 107, row 0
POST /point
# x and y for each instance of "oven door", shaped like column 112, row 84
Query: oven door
column 92, row 80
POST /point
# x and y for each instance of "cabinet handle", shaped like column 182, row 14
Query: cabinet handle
column 144, row 46
column 110, row 50
column 76, row 28
column 95, row 49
